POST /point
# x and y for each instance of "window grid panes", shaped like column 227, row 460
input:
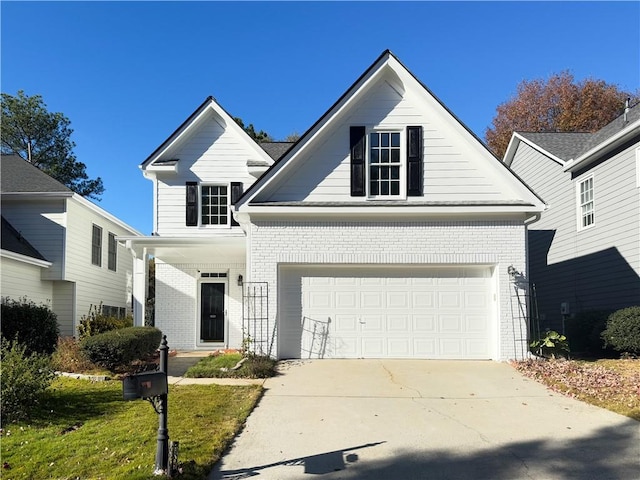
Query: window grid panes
column 586, row 203
column 384, row 164
column 96, row 246
column 112, row 253
column 214, row 205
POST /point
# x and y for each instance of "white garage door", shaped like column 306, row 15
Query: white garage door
column 386, row 313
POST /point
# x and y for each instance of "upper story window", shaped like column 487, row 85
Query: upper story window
column 112, row 254
column 96, row 246
column 214, row 205
column 586, row 210
column 209, row 205
column 386, row 163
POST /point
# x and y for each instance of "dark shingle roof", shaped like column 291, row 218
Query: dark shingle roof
column 612, row 128
column 562, row 145
column 571, row 145
column 13, row 241
column 19, row 175
column 276, row 149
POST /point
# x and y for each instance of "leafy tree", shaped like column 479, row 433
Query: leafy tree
column 260, row 136
column 559, row 104
column 292, row 137
column 43, row 138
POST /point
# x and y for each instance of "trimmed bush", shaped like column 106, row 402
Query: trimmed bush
column 23, row 380
column 584, row 332
column 34, row 326
column 117, row 348
column 95, row 322
column 623, row 330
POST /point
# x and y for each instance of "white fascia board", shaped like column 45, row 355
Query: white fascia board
column 317, row 131
column 612, row 142
column 25, row 259
column 38, row 195
column 103, row 213
column 162, row 168
column 155, row 241
column 256, row 210
column 516, row 138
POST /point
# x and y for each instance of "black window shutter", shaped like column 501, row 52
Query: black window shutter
column 192, row 204
column 415, row 177
column 358, row 165
column 236, row 193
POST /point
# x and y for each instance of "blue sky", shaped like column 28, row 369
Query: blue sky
column 127, row 74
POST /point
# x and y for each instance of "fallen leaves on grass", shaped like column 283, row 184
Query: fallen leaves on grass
column 614, row 385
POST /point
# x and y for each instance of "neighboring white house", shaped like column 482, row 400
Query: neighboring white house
column 387, row 230
column 585, row 250
column 60, row 249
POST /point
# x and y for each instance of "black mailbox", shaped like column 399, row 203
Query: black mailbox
column 143, row 385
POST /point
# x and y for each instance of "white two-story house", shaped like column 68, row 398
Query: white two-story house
column 60, row 249
column 387, row 230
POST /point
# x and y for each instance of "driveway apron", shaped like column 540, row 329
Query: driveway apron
column 422, row 419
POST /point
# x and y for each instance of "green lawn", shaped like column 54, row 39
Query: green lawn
column 84, row 430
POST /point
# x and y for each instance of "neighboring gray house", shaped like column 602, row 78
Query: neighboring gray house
column 387, row 230
column 584, row 253
column 60, row 249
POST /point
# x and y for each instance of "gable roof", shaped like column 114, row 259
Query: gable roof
column 156, row 158
column 574, row 149
column 13, row 241
column 20, row 176
column 373, row 73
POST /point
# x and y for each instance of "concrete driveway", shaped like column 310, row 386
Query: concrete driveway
column 412, row 419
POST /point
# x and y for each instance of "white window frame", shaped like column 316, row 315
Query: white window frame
column 581, row 213
column 201, row 205
column 402, row 195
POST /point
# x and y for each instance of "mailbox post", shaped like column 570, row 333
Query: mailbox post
column 153, row 386
column 162, row 451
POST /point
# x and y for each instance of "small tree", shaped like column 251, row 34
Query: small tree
column 34, row 326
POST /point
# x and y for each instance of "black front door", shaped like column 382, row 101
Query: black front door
column 212, row 312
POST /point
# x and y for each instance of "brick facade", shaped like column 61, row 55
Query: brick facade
column 498, row 244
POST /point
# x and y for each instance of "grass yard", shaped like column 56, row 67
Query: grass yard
column 610, row 384
column 221, row 366
column 84, row 430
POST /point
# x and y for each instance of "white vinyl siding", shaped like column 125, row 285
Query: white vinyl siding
column 453, row 169
column 586, row 208
column 20, row 279
column 213, row 155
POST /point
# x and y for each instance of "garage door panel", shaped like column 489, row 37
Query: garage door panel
column 425, row 324
column 392, row 312
column 371, row 300
column 451, row 323
column 398, row 300
column 449, row 300
column 422, row 299
column 398, row 324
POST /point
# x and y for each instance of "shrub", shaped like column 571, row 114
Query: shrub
column 585, row 330
column 623, row 330
column 69, row 357
column 553, row 344
column 34, row 326
column 117, row 348
column 96, row 322
column 24, row 378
